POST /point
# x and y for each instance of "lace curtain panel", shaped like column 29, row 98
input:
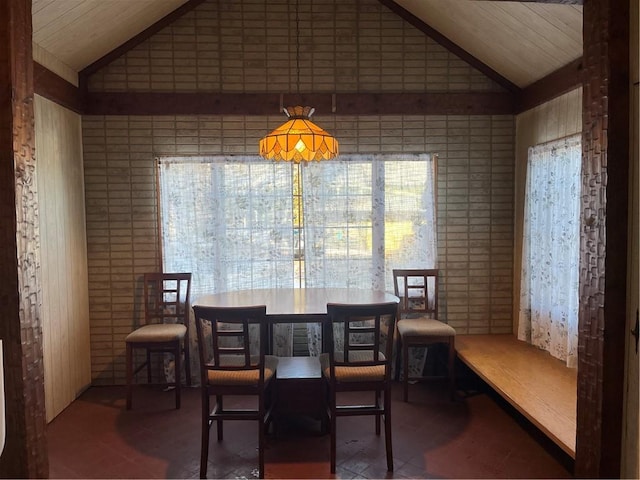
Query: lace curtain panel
column 230, row 221
column 548, row 316
column 365, row 216
column 227, row 221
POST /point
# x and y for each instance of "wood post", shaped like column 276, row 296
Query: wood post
column 25, row 453
column 603, row 267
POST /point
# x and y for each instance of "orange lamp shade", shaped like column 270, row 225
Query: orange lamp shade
column 299, row 139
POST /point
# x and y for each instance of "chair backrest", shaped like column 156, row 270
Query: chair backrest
column 167, row 298
column 228, row 348
column 364, row 326
column 417, row 290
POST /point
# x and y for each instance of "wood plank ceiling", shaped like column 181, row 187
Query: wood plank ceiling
column 522, row 41
column 78, row 32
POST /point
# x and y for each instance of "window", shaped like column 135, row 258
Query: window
column 548, row 316
column 242, row 222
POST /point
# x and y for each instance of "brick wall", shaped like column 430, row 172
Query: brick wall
column 226, row 47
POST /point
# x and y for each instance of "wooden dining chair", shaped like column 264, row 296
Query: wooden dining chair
column 229, row 367
column 165, row 330
column 360, row 361
column 418, row 323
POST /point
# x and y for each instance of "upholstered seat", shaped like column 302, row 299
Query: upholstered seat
column 242, row 377
column 423, row 326
column 161, row 332
column 354, row 372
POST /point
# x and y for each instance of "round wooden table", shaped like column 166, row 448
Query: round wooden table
column 294, row 305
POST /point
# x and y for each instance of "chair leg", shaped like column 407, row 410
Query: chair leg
column 148, row 366
column 451, row 368
column 219, row 425
column 187, row 361
column 332, row 427
column 405, row 365
column 177, row 373
column 378, row 415
column 129, row 374
column 261, row 435
column 399, row 346
column 204, row 447
column 387, row 428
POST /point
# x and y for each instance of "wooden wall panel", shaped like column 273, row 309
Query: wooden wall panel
column 65, row 298
column 555, row 119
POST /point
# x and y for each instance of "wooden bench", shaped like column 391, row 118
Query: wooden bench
column 539, row 386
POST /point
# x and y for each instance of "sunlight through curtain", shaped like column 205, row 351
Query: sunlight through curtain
column 365, row 215
column 548, row 316
column 229, row 221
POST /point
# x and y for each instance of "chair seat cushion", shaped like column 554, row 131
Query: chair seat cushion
column 242, row 377
column 420, row 327
column 353, row 373
column 158, row 332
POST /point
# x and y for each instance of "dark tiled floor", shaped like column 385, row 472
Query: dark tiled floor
column 474, row 437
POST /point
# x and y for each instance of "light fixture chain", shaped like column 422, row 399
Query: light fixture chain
column 297, row 48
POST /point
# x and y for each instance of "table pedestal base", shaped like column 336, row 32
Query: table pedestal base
column 300, row 391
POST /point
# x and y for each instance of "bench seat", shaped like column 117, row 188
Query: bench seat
column 539, row 386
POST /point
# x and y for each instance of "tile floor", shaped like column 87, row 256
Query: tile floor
column 476, row 436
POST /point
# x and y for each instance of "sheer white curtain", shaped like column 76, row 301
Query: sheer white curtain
column 548, row 316
column 365, row 215
column 227, row 220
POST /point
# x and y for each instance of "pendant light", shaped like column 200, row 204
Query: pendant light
column 298, row 139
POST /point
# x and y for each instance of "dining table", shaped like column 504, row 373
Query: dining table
column 299, row 385
column 295, row 305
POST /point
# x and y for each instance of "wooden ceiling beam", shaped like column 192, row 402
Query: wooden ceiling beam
column 449, row 45
column 49, row 85
column 561, row 81
column 144, row 103
column 563, row 2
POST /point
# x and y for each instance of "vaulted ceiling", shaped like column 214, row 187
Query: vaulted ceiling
column 521, row 41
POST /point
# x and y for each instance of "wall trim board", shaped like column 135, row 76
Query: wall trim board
column 155, row 103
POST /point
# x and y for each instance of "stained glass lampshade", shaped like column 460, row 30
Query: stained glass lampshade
column 299, row 139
